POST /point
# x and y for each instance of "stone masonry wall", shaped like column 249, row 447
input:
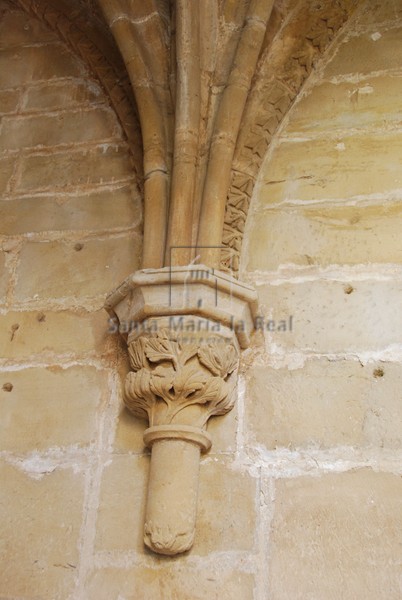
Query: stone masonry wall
column 301, row 494
column 323, row 402
column 70, row 230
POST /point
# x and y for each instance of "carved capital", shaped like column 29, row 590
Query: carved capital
column 184, row 329
column 180, row 378
column 177, row 382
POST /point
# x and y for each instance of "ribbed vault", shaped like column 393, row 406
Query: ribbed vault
column 200, row 89
column 212, row 82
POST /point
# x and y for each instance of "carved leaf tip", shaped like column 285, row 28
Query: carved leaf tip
column 139, row 397
column 167, row 541
column 220, row 361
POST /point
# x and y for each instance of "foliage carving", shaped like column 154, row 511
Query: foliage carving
column 169, row 377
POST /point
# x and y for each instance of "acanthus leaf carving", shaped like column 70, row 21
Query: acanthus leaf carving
column 219, row 362
column 169, row 376
column 140, row 399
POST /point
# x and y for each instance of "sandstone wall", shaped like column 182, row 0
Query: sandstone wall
column 70, row 230
column 322, row 403
column 301, row 495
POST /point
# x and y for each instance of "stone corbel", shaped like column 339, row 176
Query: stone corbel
column 206, row 120
column 184, row 328
column 185, row 323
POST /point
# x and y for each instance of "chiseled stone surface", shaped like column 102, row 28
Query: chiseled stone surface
column 9, row 101
column 98, row 210
column 40, row 520
column 184, row 583
column 378, row 12
column 103, row 164
column 3, row 277
column 335, row 316
column 7, row 166
column 129, row 430
column 324, row 404
column 333, row 107
column 123, row 485
column 68, row 271
column 231, row 524
column 50, row 407
column 368, row 53
column 61, row 94
column 19, row 28
column 223, row 432
column 35, row 63
column 52, row 130
column 338, row 167
column 31, row 334
column 337, row 536
column 343, row 235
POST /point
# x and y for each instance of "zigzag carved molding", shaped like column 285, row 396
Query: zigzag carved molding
column 303, row 37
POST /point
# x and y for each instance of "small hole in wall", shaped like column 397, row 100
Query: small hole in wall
column 41, row 317
column 78, row 247
column 14, row 329
column 378, row 372
column 348, row 289
column 7, row 387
